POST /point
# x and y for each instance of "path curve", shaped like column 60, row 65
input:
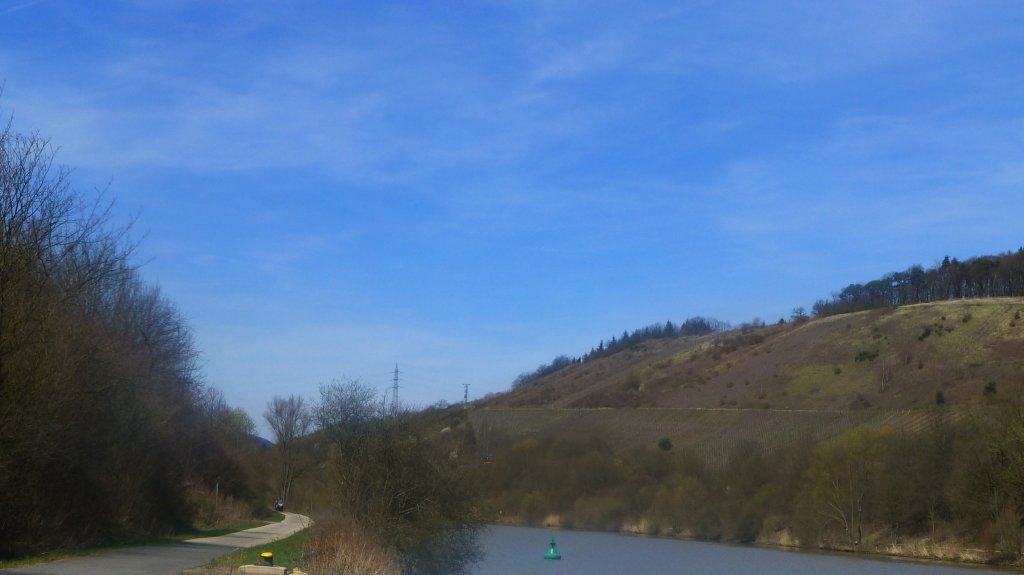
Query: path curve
column 166, row 558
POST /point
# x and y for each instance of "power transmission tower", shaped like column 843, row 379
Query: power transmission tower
column 394, row 389
column 465, row 395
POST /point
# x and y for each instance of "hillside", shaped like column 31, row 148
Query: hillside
column 774, row 386
column 893, row 431
column 889, row 359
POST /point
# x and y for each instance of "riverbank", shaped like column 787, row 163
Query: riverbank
column 515, row 550
column 948, row 551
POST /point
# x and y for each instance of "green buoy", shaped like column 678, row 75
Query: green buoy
column 553, row 552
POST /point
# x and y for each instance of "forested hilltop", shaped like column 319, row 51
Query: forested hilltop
column 978, row 277
column 106, row 427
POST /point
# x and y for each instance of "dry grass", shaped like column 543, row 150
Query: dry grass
column 216, row 512
column 343, row 548
column 553, row 521
column 810, row 366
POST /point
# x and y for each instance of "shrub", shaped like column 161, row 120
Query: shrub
column 866, row 356
column 533, row 508
column 344, row 547
column 990, row 389
column 860, row 402
column 709, row 526
column 403, row 488
column 599, row 513
column 747, row 527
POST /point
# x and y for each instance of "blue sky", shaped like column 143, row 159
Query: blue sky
column 468, row 189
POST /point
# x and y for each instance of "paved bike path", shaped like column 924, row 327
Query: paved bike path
column 166, row 558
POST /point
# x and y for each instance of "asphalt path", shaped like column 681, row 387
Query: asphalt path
column 166, row 558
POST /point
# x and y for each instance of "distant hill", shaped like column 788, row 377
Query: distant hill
column 260, row 442
column 891, row 358
column 890, row 429
column 774, row 385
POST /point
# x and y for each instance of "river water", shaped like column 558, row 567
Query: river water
column 520, row 551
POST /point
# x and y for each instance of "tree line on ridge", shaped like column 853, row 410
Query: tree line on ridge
column 694, row 326
column 978, row 277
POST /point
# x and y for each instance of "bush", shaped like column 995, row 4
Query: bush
column 709, row 525
column 345, row 547
column 747, row 527
column 533, row 508
column 401, row 486
column 866, row 356
column 599, row 513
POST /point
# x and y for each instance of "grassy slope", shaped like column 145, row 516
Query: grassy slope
column 809, row 366
column 778, row 383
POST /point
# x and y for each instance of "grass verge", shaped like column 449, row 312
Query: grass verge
column 274, row 517
column 288, row 552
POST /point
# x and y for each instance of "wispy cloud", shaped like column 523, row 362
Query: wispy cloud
column 15, row 7
column 333, row 185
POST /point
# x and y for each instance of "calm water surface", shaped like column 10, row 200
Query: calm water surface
column 520, row 551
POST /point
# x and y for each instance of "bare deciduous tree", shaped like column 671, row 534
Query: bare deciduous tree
column 345, row 406
column 290, row 419
column 101, row 422
column 388, row 477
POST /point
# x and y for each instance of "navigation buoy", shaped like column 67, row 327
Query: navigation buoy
column 553, row 552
